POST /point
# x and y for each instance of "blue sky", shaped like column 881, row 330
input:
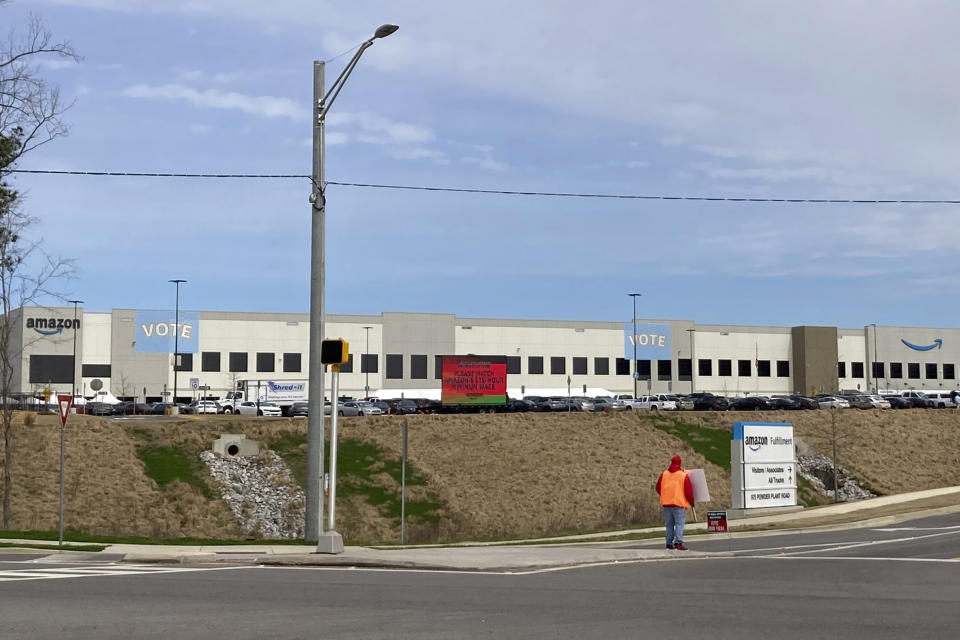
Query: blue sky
column 800, row 100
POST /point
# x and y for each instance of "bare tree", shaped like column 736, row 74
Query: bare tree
column 30, row 115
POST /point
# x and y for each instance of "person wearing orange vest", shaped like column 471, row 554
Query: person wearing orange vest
column 676, row 495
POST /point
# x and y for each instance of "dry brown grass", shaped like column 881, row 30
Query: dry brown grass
column 497, row 475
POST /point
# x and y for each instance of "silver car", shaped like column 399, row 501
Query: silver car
column 832, row 402
column 358, row 408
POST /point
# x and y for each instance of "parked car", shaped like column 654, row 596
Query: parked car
column 878, row 402
column 783, row 403
column 608, row 403
column 202, row 406
column 708, row 402
column 751, row 403
column 804, row 402
column 132, row 408
column 581, row 403
column 251, row 408
column 358, row 408
column 898, row 402
column 918, row 398
column 684, row 403
column 943, row 399
column 100, row 409
column 299, row 409
column 516, row 405
column 537, row 403
column 859, row 402
column 656, row 403
column 555, row 403
column 383, row 405
column 402, row 406
column 832, row 402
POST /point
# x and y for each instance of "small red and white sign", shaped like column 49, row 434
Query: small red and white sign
column 716, row 521
column 64, row 403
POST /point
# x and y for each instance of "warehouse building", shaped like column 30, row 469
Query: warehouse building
column 129, row 353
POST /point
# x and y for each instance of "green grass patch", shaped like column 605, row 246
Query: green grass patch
column 712, row 444
column 357, row 465
column 166, row 464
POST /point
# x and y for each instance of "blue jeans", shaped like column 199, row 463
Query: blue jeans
column 675, row 517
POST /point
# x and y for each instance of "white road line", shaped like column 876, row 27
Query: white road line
column 871, row 558
column 956, row 526
column 94, row 571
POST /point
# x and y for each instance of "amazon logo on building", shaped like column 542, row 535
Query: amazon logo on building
column 937, row 344
column 52, row 326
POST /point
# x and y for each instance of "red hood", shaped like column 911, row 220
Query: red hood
column 675, row 467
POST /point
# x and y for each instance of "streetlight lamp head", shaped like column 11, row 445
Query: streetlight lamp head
column 384, row 30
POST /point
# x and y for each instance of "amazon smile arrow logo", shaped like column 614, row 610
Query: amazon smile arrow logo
column 937, row 343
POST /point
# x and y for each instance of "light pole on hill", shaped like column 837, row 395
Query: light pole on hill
column 174, row 410
column 636, row 371
column 331, row 542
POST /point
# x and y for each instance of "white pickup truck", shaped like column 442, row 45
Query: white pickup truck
column 659, row 402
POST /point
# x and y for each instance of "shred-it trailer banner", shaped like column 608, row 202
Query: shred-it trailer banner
column 473, row 380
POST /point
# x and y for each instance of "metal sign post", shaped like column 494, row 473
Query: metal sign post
column 63, row 404
column 335, row 384
column 403, row 486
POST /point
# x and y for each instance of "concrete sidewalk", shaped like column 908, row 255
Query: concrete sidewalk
column 546, row 553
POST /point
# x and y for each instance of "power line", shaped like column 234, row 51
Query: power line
column 505, row 192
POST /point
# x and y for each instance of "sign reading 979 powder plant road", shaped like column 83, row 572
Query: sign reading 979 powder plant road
column 763, row 465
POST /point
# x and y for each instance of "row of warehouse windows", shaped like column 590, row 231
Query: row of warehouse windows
column 44, row 368
column 895, row 371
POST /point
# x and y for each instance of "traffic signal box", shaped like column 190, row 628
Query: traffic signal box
column 334, row 352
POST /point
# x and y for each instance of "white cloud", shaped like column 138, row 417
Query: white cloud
column 262, row 106
column 485, row 159
column 420, row 153
column 377, row 129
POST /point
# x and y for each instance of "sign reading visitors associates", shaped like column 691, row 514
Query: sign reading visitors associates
column 763, row 468
column 156, row 330
column 652, row 341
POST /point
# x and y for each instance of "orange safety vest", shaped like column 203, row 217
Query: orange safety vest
column 671, row 489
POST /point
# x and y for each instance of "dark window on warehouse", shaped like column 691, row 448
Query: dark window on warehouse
column 841, row 369
column 913, row 370
column 347, row 367
column 368, row 363
column 438, row 367
column 210, row 361
column 684, row 369
column 664, row 370
column 783, row 368
column 513, row 365
column 534, row 364
column 238, row 362
column 724, row 367
column 877, row 370
column 763, row 368
column 856, row 369
column 265, row 363
column 394, row 366
column 579, row 366
column 558, row 365
column 185, row 362
column 704, row 367
column 743, row 368
column 948, row 371
column 291, row 363
column 931, row 371
column 601, row 366
column 896, row 370
column 643, row 370
column 53, row 369
column 418, row 367
column 95, row 370
column 623, row 367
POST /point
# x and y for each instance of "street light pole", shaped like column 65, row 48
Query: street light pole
column 636, row 371
column 174, row 410
column 63, row 443
column 690, row 332
column 366, row 351
column 331, row 541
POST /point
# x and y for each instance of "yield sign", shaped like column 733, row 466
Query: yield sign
column 64, row 403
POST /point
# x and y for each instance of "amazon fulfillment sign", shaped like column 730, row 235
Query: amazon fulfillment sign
column 763, row 467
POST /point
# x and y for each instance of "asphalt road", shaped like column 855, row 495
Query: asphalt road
column 898, row 582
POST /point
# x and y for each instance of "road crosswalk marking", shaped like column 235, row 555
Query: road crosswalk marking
column 98, row 570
